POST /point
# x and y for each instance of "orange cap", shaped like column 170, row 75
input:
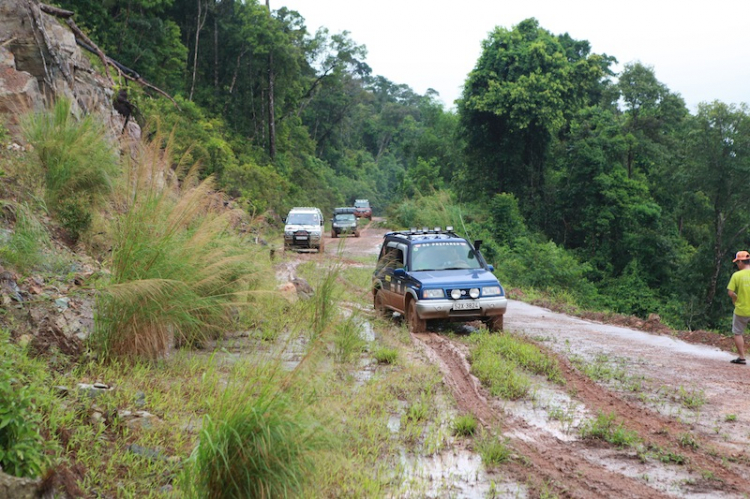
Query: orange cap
column 741, row 255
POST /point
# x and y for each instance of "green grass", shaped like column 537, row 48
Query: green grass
column 500, row 362
column 687, row 440
column 602, row 368
column 691, row 398
column 464, row 425
column 385, row 355
column 492, row 450
column 604, row 427
column 29, row 245
column 23, row 451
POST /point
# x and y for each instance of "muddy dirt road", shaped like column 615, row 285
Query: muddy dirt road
column 689, row 407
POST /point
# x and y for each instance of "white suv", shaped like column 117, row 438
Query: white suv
column 304, row 229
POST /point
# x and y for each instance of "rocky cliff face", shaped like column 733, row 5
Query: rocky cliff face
column 40, row 61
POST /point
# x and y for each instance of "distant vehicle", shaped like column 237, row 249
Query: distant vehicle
column 435, row 274
column 303, row 229
column 362, row 209
column 344, row 222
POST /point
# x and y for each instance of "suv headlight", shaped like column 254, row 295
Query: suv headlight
column 490, row 290
column 433, row 293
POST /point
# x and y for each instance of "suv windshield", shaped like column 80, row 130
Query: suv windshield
column 361, row 204
column 344, row 217
column 302, row 219
column 443, row 256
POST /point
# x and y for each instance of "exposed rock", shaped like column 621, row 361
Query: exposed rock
column 304, row 290
column 40, row 61
column 289, row 291
column 18, row 488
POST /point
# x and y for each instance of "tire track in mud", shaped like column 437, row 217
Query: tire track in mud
column 543, row 462
column 719, row 460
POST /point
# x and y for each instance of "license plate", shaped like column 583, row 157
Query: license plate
column 466, row 305
column 301, row 238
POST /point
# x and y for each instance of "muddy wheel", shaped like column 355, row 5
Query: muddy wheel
column 333, row 234
column 495, row 323
column 356, row 233
column 379, row 304
column 321, row 246
column 416, row 325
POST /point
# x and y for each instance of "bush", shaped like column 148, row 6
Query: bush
column 22, row 448
column 435, row 210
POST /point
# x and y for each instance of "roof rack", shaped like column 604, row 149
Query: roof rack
column 425, row 231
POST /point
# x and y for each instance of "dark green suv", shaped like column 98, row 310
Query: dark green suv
column 344, row 222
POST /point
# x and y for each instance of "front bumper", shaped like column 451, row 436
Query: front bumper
column 443, row 308
column 309, row 241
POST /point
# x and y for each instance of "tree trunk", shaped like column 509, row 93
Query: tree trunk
column 200, row 23
column 271, row 113
column 216, row 53
column 718, row 257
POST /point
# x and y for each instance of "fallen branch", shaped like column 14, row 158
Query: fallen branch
column 81, row 35
column 56, row 11
column 85, row 42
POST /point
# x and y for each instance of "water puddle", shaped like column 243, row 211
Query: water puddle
column 673, row 480
column 549, row 410
column 455, row 473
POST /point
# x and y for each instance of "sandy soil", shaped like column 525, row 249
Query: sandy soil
column 677, row 390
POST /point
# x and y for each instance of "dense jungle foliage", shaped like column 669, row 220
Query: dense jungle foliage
column 595, row 186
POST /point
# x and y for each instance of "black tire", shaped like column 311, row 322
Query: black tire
column 377, row 303
column 495, row 323
column 333, row 234
column 416, row 325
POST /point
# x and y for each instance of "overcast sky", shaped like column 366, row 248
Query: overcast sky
column 699, row 49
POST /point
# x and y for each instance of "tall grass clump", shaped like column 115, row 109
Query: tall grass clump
column 178, row 271
column 255, row 445
column 78, row 160
column 25, row 247
column 347, row 340
column 325, row 301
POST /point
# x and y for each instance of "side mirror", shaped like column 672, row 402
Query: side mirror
column 491, row 268
column 399, row 272
column 477, row 244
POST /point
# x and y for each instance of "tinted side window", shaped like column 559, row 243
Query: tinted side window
column 391, row 257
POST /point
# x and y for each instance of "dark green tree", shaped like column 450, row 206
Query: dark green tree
column 716, row 173
column 521, row 93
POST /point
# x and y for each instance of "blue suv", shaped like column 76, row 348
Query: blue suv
column 435, row 274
